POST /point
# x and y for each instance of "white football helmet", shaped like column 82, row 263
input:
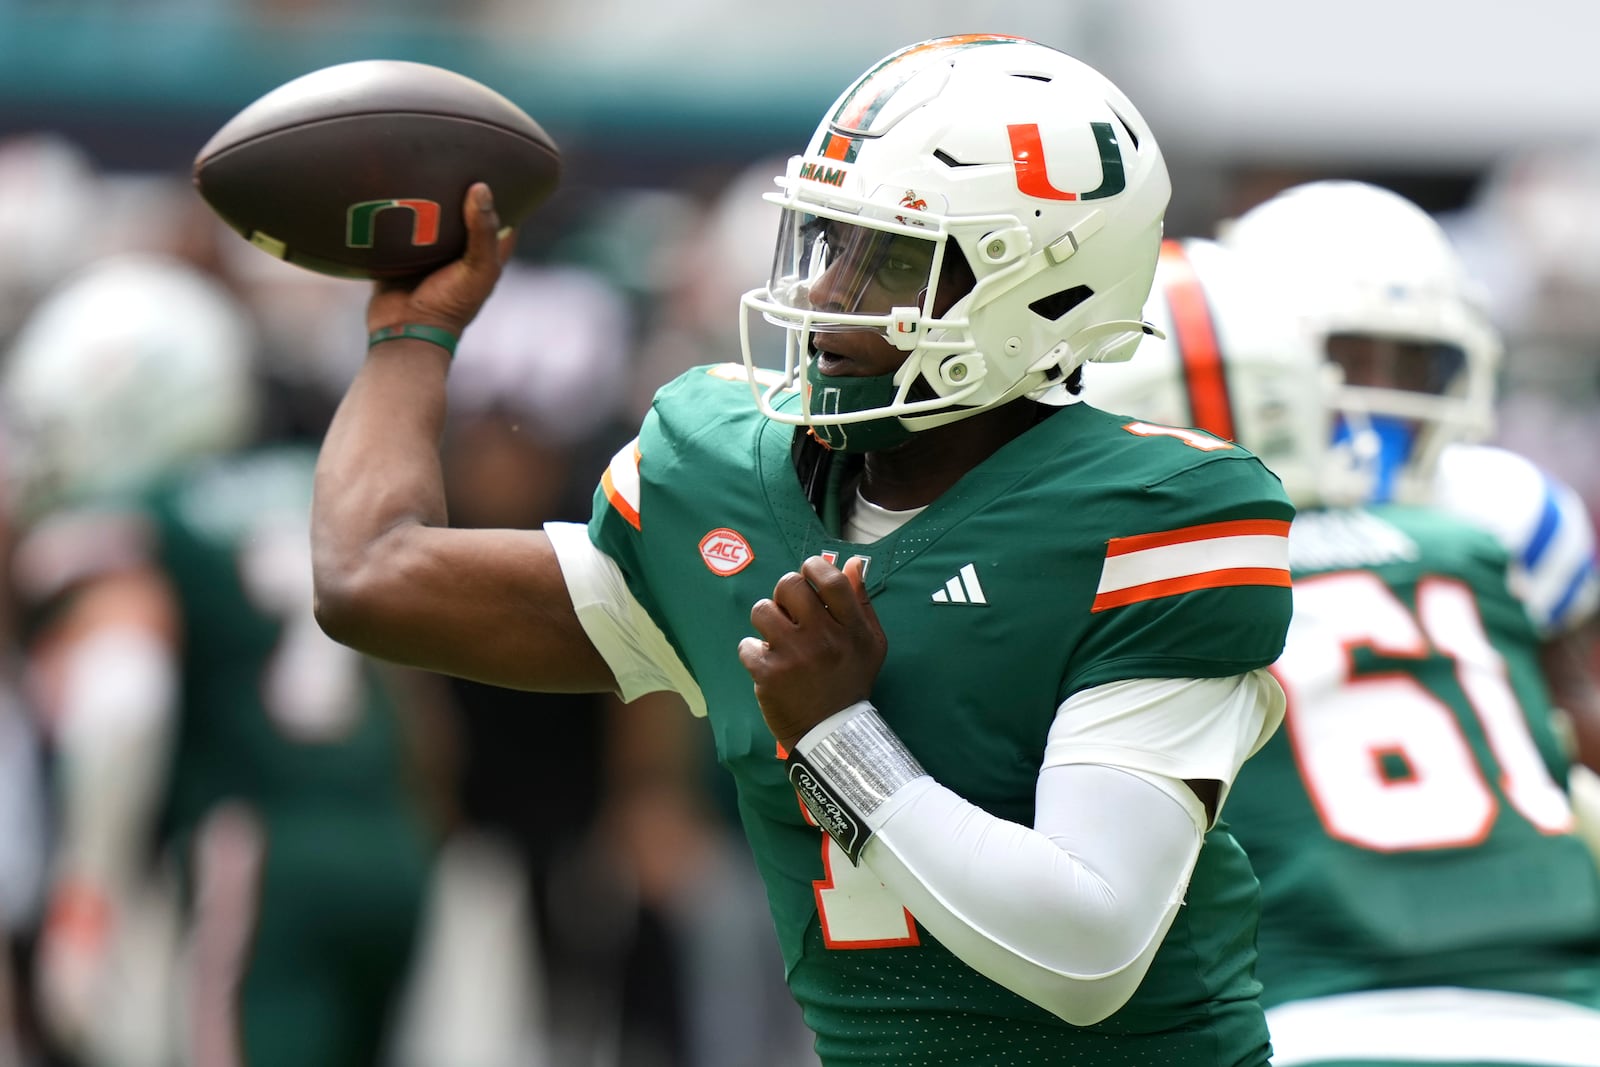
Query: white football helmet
column 1232, row 362
column 1380, row 287
column 135, row 363
column 1034, row 165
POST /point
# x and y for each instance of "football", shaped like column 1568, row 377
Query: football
column 359, row 170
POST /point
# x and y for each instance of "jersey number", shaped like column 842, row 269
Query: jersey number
column 1193, row 438
column 856, row 909
column 1384, row 759
column 311, row 685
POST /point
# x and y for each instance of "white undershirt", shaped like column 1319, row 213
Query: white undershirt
column 1070, row 911
column 867, row 522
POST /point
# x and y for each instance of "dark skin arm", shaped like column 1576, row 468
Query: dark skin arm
column 1567, row 672
column 820, row 649
column 392, row 580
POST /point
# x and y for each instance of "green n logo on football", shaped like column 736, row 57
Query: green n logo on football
column 1027, row 156
column 361, row 221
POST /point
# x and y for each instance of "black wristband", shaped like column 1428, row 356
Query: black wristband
column 838, row 819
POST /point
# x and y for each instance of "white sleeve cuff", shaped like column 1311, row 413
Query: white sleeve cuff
column 862, row 761
column 633, row 646
column 1178, row 728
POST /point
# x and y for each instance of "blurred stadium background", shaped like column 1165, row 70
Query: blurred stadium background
column 1488, row 120
column 672, row 119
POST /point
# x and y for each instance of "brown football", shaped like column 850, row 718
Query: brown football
column 358, row 170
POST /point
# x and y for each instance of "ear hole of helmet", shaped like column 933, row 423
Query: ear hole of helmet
column 1056, row 305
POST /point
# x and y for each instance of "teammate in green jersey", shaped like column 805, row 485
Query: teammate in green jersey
column 1425, row 897
column 1007, row 649
column 196, row 711
column 1385, row 295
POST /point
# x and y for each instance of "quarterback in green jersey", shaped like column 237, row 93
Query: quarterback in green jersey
column 198, row 717
column 1425, row 897
column 983, row 661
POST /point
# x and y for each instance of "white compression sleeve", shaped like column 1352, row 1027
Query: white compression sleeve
column 1068, row 913
column 116, row 719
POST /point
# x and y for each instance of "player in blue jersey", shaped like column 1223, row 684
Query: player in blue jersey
column 1425, row 896
column 1007, row 649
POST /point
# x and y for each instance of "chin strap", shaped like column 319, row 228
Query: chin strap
column 1134, row 329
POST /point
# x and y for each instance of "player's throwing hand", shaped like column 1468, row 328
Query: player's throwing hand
column 450, row 296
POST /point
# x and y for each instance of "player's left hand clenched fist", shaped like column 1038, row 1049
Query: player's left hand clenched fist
column 820, row 647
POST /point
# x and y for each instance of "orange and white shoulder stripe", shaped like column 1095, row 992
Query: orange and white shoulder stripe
column 1214, row 555
column 621, row 482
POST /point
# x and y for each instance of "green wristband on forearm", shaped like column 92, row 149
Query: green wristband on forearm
column 432, row 334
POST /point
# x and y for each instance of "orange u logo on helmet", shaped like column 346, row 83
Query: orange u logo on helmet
column 1033, row 177
column 361, row 221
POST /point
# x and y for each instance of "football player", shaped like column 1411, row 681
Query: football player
column 195, row 710
column 1425, row 897
column 1008, row 650
column 1384, row 294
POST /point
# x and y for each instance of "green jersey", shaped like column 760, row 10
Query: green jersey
column 272, row 712
column 276, row 722
column 276, row 713
column 1086, row 551
column 1409, row 824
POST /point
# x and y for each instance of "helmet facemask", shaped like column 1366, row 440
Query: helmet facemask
column 1409, row 398
column 833, row 273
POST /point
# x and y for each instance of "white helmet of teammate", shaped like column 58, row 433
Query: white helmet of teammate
column 52, row 208
column 133, row 364
column 1384, row 293
column 1034, row 166
column 1233, row 363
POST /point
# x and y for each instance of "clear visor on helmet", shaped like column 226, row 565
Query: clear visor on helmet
column 841, row 275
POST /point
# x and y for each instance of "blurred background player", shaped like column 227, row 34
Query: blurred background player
column 1425, row 897
column 650, row 941
column 1383, row 293
column 22, row 838
column 196, row 714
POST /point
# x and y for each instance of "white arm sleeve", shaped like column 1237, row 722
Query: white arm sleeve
column 1069, row 913
column 113, row 732
column 633, row 646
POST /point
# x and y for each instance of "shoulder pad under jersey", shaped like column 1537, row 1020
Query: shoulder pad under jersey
column 1540, row 520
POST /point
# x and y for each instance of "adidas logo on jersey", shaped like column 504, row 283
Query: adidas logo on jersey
column 962, row 589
